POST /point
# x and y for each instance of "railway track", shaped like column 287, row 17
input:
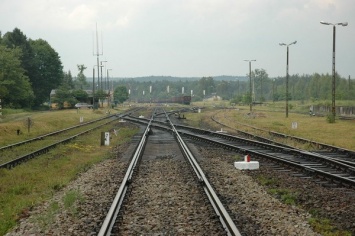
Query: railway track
column 324, row 149
column 14, row 154
column 163, row 197
column 160, row 195
column 330, row 170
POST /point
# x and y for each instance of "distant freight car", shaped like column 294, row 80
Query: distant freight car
column 179, row 99
column 182, row 100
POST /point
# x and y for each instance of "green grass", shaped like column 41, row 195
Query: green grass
column 319, row 224
column 285, row 195
column 42, row 122
column 325, row 227
column 266, row 181
column 70, row 199
column 37, row 180
column 46, row 220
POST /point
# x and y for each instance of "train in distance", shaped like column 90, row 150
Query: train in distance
column 178, row 99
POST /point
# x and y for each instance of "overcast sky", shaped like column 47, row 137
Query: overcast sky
column 190, row 37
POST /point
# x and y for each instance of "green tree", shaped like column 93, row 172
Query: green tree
column 68, row 80
column 260, row 79
column 63, row 95
column 101, row 95
column 80, row 95
column 207, row 84
column 17, row 39
column 81, row 79
column 15, row 87
column 49, row 70
column 120, row 94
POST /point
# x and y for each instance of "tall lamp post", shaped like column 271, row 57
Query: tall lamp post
column 287, row 45
column 251, row 101
column 108, row 87
column 102, row 87
column 93, row 88
column 333, row 69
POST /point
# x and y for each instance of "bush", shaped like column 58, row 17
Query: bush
column 330, row 118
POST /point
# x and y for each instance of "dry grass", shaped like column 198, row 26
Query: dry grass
column 341, row 133
column 42, row 123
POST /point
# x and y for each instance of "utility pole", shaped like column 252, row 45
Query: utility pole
column 98, row 54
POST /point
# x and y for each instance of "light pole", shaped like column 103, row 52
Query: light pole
column 287, row 45
column 273, row 90
column 251, row 101
column 102, row 88
column 333, row 69
column 108, row 87
column 107, row 79
column 93, row 88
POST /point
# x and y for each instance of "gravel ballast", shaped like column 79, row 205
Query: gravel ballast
column 253, row 209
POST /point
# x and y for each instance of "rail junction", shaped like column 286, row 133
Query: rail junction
column 165, row 188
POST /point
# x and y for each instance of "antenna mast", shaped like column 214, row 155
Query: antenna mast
column 98, row 54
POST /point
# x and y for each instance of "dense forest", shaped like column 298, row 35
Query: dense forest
column 31, row 69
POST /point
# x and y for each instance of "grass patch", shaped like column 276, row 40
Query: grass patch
column 69, row 200
column 324, row 227
column 42, row 123
column 277, row 123
column 237, row 158
column 308, row 127
column 284, row 195
column 38, row 179
column 266, row 181
column 46, row 220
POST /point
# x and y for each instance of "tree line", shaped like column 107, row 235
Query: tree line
column 30, row 69
column 316, row 87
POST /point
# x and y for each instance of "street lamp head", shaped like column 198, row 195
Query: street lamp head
column 325, row 23
column 284, row 44
column 343, row 24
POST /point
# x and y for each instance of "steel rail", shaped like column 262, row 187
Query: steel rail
column 40, row 137
column 269, row 144
column 299, row 139
column 28, row 156
column 113, row 212
column 282, row 149
column 216, row 203
column 302, row 166
column 275, row 146
column 51, row 134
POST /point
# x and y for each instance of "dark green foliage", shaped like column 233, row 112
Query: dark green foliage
column 80, row 95
column 64, row 95
column 49, row 70
column 81, row 79
column 17, row 39
column 40, row 65
column 68, row 80
column 120, row 94
column 15, row 87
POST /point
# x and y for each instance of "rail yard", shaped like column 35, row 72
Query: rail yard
column 175, row 179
